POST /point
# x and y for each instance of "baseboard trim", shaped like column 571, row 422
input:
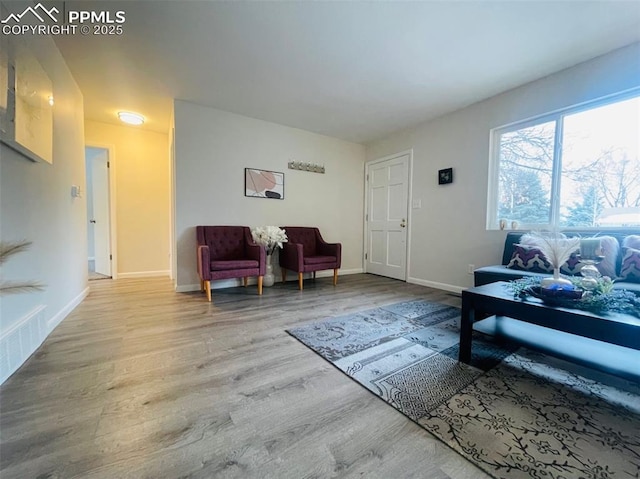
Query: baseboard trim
column 187, row 288
column 325, row 273
column 434, row 284
column 64, row 312
column 145, row 274
column 219, row 284
column 234, row 283
column 341, row 272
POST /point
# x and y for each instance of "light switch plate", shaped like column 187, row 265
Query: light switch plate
column 417, row 204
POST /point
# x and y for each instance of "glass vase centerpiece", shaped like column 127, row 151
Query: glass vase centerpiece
column 590, row 256
column 556, row 248
column 270, row 238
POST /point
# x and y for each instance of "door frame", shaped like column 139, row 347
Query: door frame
column 112, row 201
column 367, row 166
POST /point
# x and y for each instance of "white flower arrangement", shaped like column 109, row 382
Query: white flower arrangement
column 271, row 237
column 555, row 247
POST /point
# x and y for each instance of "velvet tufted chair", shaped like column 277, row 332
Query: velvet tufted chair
column 228, row 252
column 306, row 252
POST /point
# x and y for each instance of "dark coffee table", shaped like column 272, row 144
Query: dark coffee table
column 496, row 299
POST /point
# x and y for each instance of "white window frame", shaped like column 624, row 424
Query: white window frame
column 558, row 117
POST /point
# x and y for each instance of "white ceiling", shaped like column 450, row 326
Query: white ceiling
column 349, row 69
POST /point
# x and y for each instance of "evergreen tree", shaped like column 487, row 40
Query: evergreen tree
column 523, row 198
column 587, row 211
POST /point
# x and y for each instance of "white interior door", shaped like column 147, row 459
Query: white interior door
column 99, row 220
column 387, row 195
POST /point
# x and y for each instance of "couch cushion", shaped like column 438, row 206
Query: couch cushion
column 610, row 250
column 226, row 242
column 304, row 236
column 233, row 264
column 630, row 269
column 632, row 241
column 628, row 286
column 319, row 259
column 531, row 259
column 572, row 266
column 491, row 274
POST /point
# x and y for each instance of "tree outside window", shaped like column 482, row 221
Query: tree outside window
column 579, row 168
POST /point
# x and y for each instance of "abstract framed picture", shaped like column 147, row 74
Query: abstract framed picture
column 263, row 184
column 445, row 176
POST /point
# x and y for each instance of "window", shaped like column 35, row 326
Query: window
column 577, row 168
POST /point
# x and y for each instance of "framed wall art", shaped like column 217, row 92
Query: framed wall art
column 263, row 184
column 445, row 176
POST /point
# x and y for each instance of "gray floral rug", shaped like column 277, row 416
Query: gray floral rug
column 514, row 413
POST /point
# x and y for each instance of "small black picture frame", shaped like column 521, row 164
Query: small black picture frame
column 445, row 176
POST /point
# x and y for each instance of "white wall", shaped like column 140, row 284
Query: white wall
column 213, row 148
column 36, row 205
column 448, row 233
column 142, row 189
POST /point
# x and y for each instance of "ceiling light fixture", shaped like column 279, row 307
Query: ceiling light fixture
column 131, row 118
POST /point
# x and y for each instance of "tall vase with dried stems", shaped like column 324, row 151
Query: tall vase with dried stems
column 557, row 249
column 555, row 279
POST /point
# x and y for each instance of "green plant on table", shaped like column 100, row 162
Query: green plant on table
column 601, row 300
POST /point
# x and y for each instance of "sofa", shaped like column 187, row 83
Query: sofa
column 519, row 261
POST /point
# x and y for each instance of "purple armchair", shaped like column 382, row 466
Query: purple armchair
column 228, row 252
column 306, row 251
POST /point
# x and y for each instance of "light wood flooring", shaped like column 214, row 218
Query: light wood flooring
column 92, row 272
column 143, row 382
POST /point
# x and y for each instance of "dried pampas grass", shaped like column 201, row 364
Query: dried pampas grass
column 555, row 246
column 8, row 249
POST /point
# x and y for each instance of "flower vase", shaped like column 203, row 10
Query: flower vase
column 555, row 280
column 268, row 279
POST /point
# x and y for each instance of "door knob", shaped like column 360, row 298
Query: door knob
column 403, row 223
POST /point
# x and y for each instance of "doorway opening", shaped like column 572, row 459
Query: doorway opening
column 98, row 213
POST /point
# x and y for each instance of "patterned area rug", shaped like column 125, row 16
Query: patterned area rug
column 513, row 413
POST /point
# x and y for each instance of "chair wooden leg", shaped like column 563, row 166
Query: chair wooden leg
column 300, row 281
column 201, row 285
column 284, row 275
column 335, row 276
column 207, row 287
column 314, row 275
column 259, row 285
column 245, row 281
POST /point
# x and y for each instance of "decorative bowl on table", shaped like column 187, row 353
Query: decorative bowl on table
column 557, row 294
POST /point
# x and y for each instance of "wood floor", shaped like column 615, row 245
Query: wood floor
column 143, row 382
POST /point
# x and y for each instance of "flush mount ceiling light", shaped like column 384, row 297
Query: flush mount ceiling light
column 131, row 118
